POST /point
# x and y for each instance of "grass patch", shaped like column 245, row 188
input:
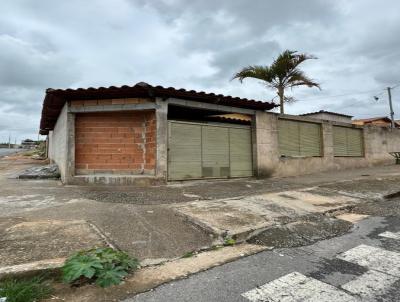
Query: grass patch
column 25, row 290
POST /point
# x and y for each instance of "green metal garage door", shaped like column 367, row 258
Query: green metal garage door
column 208, row 151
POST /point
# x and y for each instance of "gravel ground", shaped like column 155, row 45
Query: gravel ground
column 189, row 191
column 388, row 207
column 372, row 188
column 305, row 231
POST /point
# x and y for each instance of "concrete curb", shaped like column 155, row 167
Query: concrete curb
column 150, row 277
column 31, row 268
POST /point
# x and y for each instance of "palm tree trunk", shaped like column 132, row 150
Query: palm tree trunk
column 281, row 94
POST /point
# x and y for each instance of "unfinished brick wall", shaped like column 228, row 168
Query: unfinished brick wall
column 115, row 142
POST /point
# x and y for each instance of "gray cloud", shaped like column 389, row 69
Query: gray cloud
column 196, row 45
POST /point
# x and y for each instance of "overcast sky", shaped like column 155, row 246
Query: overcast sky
column 196, row 44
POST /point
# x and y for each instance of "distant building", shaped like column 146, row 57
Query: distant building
column 28, row 143
column 381, row 121
column 330, row 116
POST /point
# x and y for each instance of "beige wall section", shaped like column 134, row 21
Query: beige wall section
column 58, row 143
column 378, row 142
column 265, row 143
column 161, row 138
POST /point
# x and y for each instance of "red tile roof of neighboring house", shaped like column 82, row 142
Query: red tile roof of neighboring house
column 375, row 119
column 56, row 98
column 372, row 119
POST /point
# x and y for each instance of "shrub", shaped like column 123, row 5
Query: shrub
column 104, row 266
column 25, row 290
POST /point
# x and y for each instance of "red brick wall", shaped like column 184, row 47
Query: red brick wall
column 115, row 142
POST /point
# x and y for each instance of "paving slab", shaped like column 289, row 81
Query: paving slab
column 240, row 217
column 146, row 232
column 23, row 241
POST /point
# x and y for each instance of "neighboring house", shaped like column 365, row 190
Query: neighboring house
column 29, row 144
column 329, row 116
column 381, row 121
column 145, row 134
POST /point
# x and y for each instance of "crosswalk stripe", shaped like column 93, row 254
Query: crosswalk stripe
column 370, row 284
column 297, row 287
column 391, row 235
column 374, row 258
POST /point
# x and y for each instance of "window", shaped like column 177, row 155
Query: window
column 347, row 142
column 299, row 138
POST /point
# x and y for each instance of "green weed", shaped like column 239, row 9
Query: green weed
column 25, row 290
column 104, row 266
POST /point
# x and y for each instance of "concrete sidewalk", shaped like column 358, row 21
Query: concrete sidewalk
column 240, row 218
column 244, row 216
column 165, row 222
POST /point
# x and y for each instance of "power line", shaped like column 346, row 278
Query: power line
column 395, row 86
column 340, row 95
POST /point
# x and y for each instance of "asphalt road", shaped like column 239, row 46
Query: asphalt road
column 5, row 151
column 362, row 265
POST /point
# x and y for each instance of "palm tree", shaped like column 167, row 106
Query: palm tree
column 281, row 74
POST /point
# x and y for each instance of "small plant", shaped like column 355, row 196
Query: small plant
column 104, row 266
column 229, row 241
column 25, row 290
column 188, row 255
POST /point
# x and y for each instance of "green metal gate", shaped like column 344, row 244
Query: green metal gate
column 348, row 142
column 208, row 151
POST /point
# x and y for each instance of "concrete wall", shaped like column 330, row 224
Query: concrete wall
column 378, row 142
column 58, row 143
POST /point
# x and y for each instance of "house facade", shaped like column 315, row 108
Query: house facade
column 147, row 134
column 330, row 116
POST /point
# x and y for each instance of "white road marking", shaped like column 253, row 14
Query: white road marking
column 297, row 287
column 370, row 284
column 374, row 258
column 391, row 235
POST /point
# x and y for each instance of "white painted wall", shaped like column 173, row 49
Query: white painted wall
column 58, row 142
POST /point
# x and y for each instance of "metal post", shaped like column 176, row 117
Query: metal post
column 391, row 107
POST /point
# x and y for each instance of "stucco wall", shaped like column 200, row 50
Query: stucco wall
column 58, row 140
column 378, row 142
column 330, row 117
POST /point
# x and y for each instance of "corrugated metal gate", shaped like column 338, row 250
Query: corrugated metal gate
column 208, row 151
column 298, row 138
column 348, row 142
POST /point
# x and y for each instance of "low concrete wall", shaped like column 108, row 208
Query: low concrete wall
column 378, row 142
column 58, row 143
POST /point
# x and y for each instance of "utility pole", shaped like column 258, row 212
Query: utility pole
column 9, row 141
column 391, row 107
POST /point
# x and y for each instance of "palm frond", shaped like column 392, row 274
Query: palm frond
column 298, row 78
column 256, row 72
